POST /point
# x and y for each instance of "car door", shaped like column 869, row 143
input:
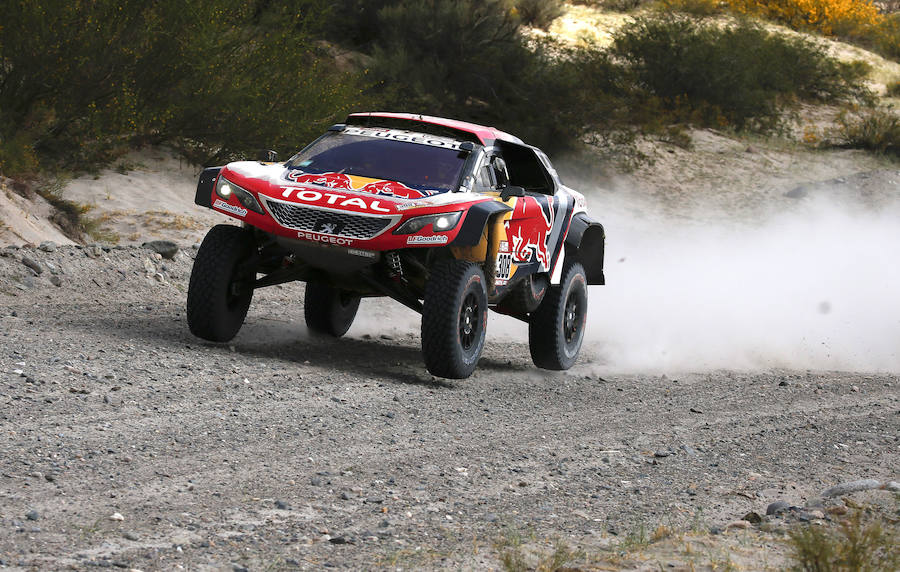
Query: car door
column 536, row 226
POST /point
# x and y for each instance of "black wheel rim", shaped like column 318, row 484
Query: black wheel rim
column 469, row 321
column 572, row 318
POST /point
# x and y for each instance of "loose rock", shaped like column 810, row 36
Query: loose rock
column 165, row 248
column 776, row 507
column 33, row 264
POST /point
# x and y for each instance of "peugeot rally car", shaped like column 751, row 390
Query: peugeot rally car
column 446, row 217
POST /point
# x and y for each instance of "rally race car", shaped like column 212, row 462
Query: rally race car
column 446, row 217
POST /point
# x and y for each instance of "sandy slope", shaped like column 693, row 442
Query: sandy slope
column 146, row 195
column 149, row 194
column 24, row 221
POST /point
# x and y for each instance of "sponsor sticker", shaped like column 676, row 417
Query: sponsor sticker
column 324, row 238
column 363, row 253
column 503, row 269
column 434, row 239
column 229, row 208
column 336, row 199
column 341, row 181
column 407, row 136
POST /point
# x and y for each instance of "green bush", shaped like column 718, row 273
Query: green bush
column 539, row 13
column 698, row 8
column 739, row 76
column 887, row 37
column 614, row 5
column 356, row 23
column 80, row 78
column 450, row 51
column 467, row 59
column 893, row 89
column 874, row 128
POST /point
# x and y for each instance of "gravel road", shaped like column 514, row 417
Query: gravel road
column 128, row 443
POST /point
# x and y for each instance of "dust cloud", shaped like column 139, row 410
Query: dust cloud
column 816, row 286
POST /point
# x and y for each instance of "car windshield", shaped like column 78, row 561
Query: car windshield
column 414, row 159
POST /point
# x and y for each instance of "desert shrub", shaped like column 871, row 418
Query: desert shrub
column 356, row 22
column 614, row 5
column 17, row 155
column 450, row 51
column 467, row 59
column 624, row 5
column 539, row 13
column 829, row 17
column 886, row 37
column 739, row 76
column 694, row 7
column 861, row 22
column 247, row 87
column 893, row 89
column 871, row 128
column 80, row 78
column 859, row 545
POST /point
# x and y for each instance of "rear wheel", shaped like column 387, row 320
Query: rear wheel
column 329, row 311
column 556, row 329
column 454, row 318
column 219, row 291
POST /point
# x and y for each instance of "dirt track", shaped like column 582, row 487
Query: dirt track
column 281, row 451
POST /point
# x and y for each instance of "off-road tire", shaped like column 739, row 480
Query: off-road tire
column 525, row 296
column 454, row 318
column 556, row 328
column 217, row 302
column 329, row 311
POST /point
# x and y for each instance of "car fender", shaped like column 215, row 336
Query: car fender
column 585, row 243
column 476, row 220
column 205, row 186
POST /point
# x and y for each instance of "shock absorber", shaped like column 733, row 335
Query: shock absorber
column 395, row 267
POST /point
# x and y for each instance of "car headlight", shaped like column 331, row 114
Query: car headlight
column 225, row 189
column 438, row 223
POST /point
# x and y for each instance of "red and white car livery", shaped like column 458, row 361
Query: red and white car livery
column 400, row 205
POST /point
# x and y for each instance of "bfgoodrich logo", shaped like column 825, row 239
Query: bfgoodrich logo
column 222, row 205
column 436, row 239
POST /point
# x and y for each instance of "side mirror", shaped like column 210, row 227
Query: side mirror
column 268, row 156
column 511, row 191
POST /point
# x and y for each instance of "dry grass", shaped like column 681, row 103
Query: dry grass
column 861, row 543
column 170, row 221
column 874, row 129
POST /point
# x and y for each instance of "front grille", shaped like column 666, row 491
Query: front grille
column 299, row 217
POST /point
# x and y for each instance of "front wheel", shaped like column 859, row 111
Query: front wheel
column 454, row 318
column 328, row 310
column 556, row 328
column 220, row 290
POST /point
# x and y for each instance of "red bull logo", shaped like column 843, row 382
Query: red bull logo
column 528, row 230
column 362, row 184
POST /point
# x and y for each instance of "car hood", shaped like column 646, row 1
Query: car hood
column 275, row 182
column 276, row 176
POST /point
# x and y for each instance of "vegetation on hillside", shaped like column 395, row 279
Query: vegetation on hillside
column 739, row 76
column 81, row 79
column 857, row 21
